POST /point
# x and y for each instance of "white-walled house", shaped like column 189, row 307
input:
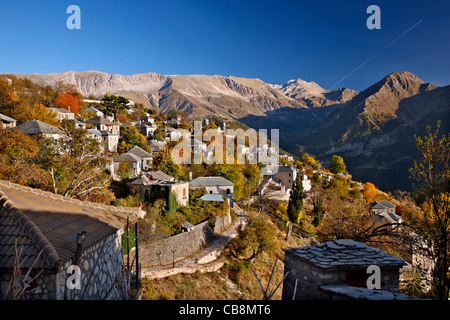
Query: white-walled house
column 101, row 123
column 108, row 140
column 133, row 160
column 63, row 114
column 7, row 122
column 146, row 157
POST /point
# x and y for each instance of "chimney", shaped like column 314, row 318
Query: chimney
column 80, row 240
column 190, row 176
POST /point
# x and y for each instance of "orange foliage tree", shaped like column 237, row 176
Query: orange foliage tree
column 68, row 101
column 370, row 192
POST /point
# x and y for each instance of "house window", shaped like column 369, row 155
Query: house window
column 210, row 191
column 228, row 191
column 356, row 278
column 184, row 192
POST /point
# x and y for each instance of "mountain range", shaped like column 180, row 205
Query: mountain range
column 373, row 130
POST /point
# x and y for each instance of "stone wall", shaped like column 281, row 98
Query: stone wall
column 310, row 278
column 43, row 288
column 165, row 251
column 103, row 260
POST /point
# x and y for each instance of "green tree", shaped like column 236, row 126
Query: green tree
column 318, row 211
column 163, row 162
column 172, row 204
column 114, row 105
column 130, row 137
column 295, row 204
column 341, row 185
column 258, row 236
column 124, row 169
column 337, row 165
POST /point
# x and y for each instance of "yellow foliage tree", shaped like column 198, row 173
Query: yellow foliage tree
column 41, row 113
column 370, row 192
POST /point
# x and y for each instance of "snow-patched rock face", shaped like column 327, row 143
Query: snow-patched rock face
column 301, row 89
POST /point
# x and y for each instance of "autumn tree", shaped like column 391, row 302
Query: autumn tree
column 17, row 147
column 337, row 165
column 432, row 186
column 41, row 113
column 17, row 154
column 130, row 137
column 68, row 101
column 77, row 166
column 163, row 161
column 308, row 159
column 258, row 236
column 369, row 192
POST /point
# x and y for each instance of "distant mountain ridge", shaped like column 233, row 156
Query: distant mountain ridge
column 199, row 95
column 372, row 129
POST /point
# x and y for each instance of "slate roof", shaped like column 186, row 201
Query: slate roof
column 212, row 197
column 127, row 156
column 92, row 109
column 365, row 293
column 95, row 132
column 187, row 225
column 152, row 177
column 41, row 220
column 138, row 151
column 285, row 169
column 61, row 110
column 6, row 118
column 38, row 127
column 209, row 182
column 389, row 217
column 345, row 254
column 382, row 205
column 99, row 120
column 156, row 146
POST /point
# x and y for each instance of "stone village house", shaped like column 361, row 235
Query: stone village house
column 106, row 132
column 41, row 220
column 62, row 114
column 139, row 159
column 337, row 270
column 286, row 176
column 36, row 127
column 151, row 183
column 215, row 185
column 7, row 122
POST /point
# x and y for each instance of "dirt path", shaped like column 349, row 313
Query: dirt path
column 203, row 260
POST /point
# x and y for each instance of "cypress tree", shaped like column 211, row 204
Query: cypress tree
column 295, row 205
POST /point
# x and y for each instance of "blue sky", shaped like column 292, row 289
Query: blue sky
column 321, row 41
